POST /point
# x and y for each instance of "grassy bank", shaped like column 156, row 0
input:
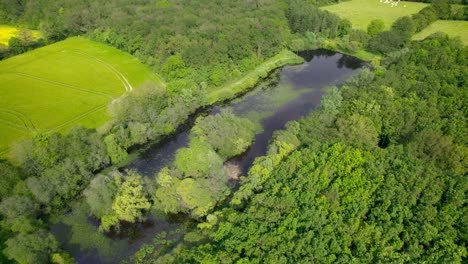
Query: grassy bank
column 361, row 12
column 250, row 79
column 360, row 54
column 453, row 28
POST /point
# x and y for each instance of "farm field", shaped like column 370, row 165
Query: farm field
column 453, row 28
column 64, row 84
column 361, row 12
column 7, row 32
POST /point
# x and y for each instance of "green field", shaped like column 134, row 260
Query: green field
column 7, row 32
column 361, row 12
column 450, row 27
column 64, row 84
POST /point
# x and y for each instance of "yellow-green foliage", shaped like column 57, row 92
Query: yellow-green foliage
column 196, row 197
column 7, row 32
column 251, row 78
column 64, row 84
column 263, row 167
column 361, row 12
column 450, row 27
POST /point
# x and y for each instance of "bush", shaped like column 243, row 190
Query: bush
column 375, row 26
column 386, row 41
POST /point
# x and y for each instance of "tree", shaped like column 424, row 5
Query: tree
column 195, row 197
column 166, row 196
column 101, row 192
column 198, row 159
column 31, row 248
column 131, row 200
column 25, row 36
column 9, row 177
column 404, row 26
column 15, row 206
column 173, row 68
column 228, row 134
column 115, row 151
column 375, row 27
column 386, row 41
column 442, row 8
column 129, row 204
column 63, row 258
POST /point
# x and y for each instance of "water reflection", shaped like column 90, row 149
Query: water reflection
column 291, row 94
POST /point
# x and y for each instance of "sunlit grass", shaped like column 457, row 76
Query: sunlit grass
column 64, row 84
column 450, row 27
column 361, row 12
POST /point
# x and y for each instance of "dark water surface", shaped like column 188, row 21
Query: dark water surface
column 290, row 94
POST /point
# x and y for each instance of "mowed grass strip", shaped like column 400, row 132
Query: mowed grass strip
column 361, row 12
column 453, row 28
column 7, row 32
column 251, row 78
column 68, row 83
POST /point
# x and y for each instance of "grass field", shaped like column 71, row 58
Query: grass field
column 450, row 27
column 6, row 32
column 60, row 85
column 361, row 12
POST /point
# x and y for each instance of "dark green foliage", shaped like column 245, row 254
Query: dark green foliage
column 10, row 10
column 9, row 177
column 4, row 234
column 424, row 17
column 386, row 41
column 303, row 17
column 31, row 248
column 442, row 8
column 459, row 12
column 208, row 36
column 147, row 114
column 15, row 206
column 101, row 192
column 404, row 26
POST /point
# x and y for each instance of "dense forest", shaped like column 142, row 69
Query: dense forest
column 377, row 174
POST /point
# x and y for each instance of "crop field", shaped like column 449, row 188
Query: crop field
column 361, row 12
column 453, row 28
column 7, row 32
column 64, row 84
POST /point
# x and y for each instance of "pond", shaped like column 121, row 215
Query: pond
column 287, row 94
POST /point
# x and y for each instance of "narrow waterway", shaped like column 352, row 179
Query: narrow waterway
column 288, row 94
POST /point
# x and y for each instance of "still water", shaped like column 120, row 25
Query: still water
column 288, row 94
